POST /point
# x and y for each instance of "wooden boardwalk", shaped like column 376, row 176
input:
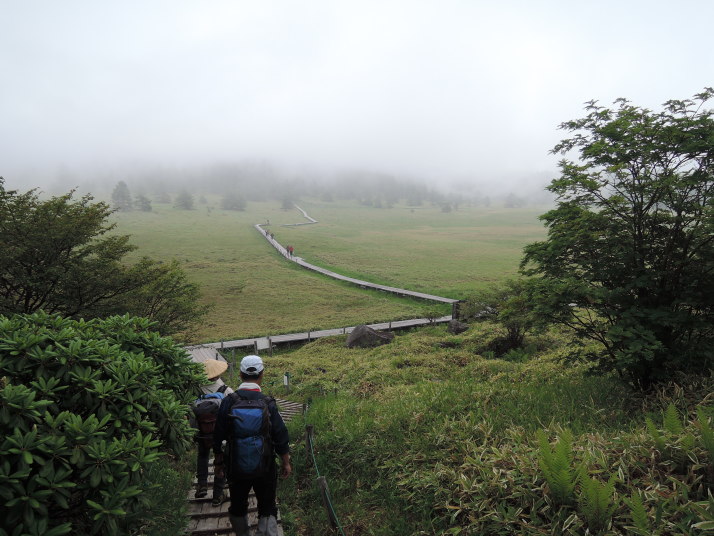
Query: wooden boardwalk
column 363, row 284
column 259, row 344
column 208, row 520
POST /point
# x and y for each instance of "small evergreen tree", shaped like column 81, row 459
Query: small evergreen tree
column 184, row 201
column 121, row 198
column 162, row 196
column 142, row 203
column 233, row 201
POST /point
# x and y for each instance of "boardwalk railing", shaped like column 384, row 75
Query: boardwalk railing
column 321, row 481
column 259, row 344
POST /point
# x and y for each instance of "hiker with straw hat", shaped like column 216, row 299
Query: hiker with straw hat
column 214, row 369
column 204, row 439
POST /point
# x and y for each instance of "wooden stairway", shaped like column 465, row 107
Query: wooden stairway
column 208, row 520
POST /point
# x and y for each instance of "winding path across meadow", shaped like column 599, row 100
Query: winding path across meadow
column 363, row 284
column 265, row 343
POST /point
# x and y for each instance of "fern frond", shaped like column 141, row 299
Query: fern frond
column 556, row 465
column 596, row 502
column 638, row 513
column 655, row 434
column 671, row 422
column 687, row 442
column 707, row 433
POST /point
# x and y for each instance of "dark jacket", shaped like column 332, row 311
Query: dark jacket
column 278, row 430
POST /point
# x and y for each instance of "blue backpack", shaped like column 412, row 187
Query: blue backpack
column 250, row 448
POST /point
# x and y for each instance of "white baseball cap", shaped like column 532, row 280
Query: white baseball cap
column 252, row 365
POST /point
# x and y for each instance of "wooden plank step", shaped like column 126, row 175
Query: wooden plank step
column 222, row 525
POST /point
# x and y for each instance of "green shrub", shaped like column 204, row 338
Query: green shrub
column 85, row 408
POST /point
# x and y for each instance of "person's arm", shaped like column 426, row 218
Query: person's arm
column 219, row 432
column 286, row 467
column 281, row 440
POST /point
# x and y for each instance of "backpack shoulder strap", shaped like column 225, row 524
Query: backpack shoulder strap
column 222, row 388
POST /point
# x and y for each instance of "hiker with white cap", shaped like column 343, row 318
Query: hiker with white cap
column 205, row 410
column 254, row 431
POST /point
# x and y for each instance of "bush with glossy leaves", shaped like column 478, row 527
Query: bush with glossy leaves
column 85, row 408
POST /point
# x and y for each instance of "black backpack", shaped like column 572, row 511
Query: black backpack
column 205, row 411
column 250, row 447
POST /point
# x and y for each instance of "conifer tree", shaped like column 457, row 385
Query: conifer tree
column 121, row 197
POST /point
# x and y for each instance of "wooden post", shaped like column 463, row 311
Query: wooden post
column 255, row 346
column 221, row 344
column 308, row 336
column 325, row 492
column 270, row 346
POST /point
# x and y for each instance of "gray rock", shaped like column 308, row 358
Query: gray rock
column 456, row 327
column 365, row 337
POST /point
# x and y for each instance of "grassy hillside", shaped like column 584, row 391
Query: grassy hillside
column 255, row 292
column 428, row 435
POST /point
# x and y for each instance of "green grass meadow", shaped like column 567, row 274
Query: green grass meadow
column 432, row 434
column 254, row 291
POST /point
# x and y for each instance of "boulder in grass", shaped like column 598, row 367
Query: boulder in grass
column 455, row 327
column 365, row 337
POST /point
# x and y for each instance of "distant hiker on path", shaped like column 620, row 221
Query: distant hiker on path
column 205, row 410
column 254, row 432
column 290, row 250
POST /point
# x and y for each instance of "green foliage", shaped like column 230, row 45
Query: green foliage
column 596, row 503
column 233, row 201
column 506, row 303
column 557, row 467
column 451, row 442
column 142, row 203
column 87, row 407
column 640, row 519
column 60, row 256
column 167, row 298
column 678, row 445
column 121, row 198
column 707, row 433
column 628, row 259
column 56, row 255
column 184, row 200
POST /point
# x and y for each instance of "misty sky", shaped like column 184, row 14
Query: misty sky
column 437, row 89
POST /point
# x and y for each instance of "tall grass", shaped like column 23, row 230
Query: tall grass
column 422, row 438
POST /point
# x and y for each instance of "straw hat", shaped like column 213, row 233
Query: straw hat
column 215, row 368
